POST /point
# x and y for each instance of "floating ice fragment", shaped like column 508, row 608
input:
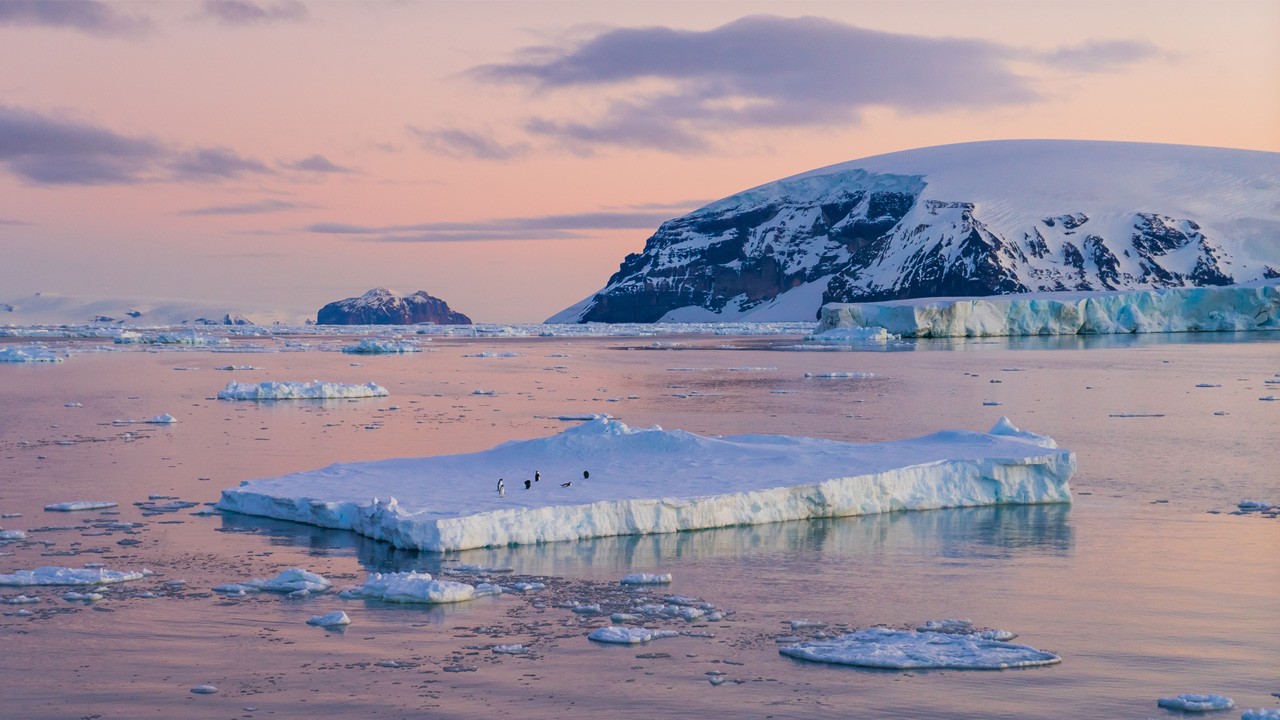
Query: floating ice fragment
column 805, row 624
column 337, row 618
column 1207, row 385
column 373, row 346
column 162, row 419
column 204, row 689
column 628, row 635
column 1192, row 702
column 489, row 354
column 28, row 354
column 75, row 505
column 584, row 416
column 11, row 535
column 991, row 403
column 315, row 390
column 21, row 600
column 965, row 627
column 848, row 375
column 70, row 576
column 1254, row 506
column 1261, row 714
column 411, row 587
column 902, row 649
column 510, row 649
column 82, row 597
column 854, row 336
column 292, row 580
column 234, row 589
column 1269, row 398
column 646, row 579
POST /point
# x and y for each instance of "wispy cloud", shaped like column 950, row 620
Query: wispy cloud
column 87, row 16
column 246, row 12
column 459, row 143
column 253, row 208
column 541, row 227
column 45, row 150
column 10, row 222
column 315, row 164
column 673, row 90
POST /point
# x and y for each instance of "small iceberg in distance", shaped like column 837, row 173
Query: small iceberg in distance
column 880, row 647
column 605, row 478
column 315, row 390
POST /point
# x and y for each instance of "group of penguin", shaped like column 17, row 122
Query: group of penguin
column 537, row 476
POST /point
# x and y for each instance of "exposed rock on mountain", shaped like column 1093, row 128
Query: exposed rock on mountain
column 381, row 306
column 958, row 220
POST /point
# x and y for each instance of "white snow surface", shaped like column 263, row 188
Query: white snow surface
column 653, row 480
column 1252, row 306
column 904, row 649
column 50, row 575
column 315, row 390
column 28, row 354
column 1194, row 702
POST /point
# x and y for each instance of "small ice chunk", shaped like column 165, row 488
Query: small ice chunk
column 204, row 689
column 28, row 354
column 337, row 618
column 162, row 419
column 1192, row 702
column 11, row 535
column 73, row 596
column 845, row 375
column 292, row 580
column 965, row 627
column 584, row 416
column 374, row 346
column 411, row 587
column 628, row 635
column 315, row 390
column 1254, row 506
column 70, row 576
column 646, row 579
column 802, row 624
column 235, row 589
column 1261, row 714
column 75, row 505
column 21, row 600
column 902, row 649
column 510, row 649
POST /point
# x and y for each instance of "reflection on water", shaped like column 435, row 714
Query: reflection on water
column 997, row 532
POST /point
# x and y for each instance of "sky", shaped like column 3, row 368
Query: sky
column 506, row 156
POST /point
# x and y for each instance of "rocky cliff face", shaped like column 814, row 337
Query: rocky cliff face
column 966, row 220
column 381, row 306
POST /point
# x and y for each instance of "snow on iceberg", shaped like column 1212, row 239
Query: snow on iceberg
column 49, row 575
column 291, row 580
column 1252, row 306
column 628, row 635
column 1193, row 702
column 315, row 390
column 652, row 480
column 28, row 354
column 903, row 649
column 337, row 618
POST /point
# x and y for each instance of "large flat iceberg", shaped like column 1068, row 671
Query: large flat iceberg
column 315, row 390
column 653, row 481
column 1255, row 306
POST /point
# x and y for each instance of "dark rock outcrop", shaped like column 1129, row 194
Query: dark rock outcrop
column 381, row 306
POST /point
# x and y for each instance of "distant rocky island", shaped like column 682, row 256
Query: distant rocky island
column 381, row 306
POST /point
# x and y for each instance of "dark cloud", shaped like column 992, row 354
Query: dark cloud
column 315, row 164
column 45, row 150
column 465, row 144
column 51, row 151
column 87, row 16
column 214, row 164
column 542, row 227
column 774, row 72
column 246, row 12
column 253, row 208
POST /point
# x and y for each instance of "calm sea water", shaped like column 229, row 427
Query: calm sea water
column 1140, row 588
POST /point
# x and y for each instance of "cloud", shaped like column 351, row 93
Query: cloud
column 44, row 150
column 541, row 227
column 682, row 87
column 465, row 144
column 246, row 12
column 10, row 222
column 253, row 208
column 214, row 164
column 315, row 164
column 87, row 16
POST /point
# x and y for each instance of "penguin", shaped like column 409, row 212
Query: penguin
column 585, row 474
column 502, row 488
column 537, row 476
column 566, row 484
column 527, row 484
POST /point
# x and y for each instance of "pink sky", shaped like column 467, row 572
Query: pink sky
column 506, row 156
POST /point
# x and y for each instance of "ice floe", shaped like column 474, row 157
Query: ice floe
column 77, row 505
column 628, row 635
column 1193, row 702
column 411, row 587
column 337, row 618
column 904, row 649
column 28, row 354
column 1260, row 714
column 854, row 336
column 315, row 390
column 11, row 536
column 965, row 627
column 376, row 346
column 844, row 375
column 604, row 478
column 647, row 579
column 50, row 575
column 1252, row 306
column 204, row 689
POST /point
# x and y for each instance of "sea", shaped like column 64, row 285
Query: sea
column 1151, row 583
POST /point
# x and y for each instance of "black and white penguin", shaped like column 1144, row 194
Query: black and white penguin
column 537, row 476
column 502, row 488
column 527, row 484
column 566, row 484
column 585, row 474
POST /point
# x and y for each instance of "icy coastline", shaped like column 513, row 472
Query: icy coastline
column 1255, row 306
column 604, row 478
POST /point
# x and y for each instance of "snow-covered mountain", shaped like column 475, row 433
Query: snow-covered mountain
column 45, row 308
column 972, row 219
column 381, row 306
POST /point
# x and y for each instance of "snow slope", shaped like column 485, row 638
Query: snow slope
column 652, row 480
column 1211, row 309
column 54, row 309
column 971, row 219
